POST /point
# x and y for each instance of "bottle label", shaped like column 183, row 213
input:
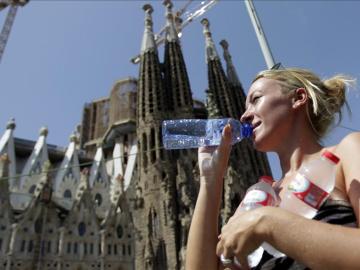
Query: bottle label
column 257, row 198
column 307, row 191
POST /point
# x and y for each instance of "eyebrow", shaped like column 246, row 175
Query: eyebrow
column 251, row 96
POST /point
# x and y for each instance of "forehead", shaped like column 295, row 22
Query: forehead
column 264, row 85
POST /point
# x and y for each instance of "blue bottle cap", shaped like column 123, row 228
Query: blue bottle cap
column 247, row 130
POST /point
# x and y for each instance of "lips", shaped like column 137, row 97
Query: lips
column 256, row 125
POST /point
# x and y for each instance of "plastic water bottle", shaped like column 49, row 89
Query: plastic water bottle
column 193, row 133
column 311, row 186
column 258, row 195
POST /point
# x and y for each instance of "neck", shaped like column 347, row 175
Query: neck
column 302, row 146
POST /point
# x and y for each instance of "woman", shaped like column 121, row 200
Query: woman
column 291, row 110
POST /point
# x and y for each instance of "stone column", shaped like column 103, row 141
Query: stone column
column 14, row 229
column 60, row 248
column 102, row 253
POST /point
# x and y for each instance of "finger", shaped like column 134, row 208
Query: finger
column 219, row 249
column 227, row 254
column 224, row 250
column 225, row 144
column 226, row 137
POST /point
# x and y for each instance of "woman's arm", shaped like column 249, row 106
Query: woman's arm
column 316, row 244
column 202, row 239
column 349, row 152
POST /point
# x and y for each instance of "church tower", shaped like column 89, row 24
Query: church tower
column 233, row 80
column 177, row 87
column 219, row 90
column 176, row 80
column 155, row 219
column 261, row 166
column 226, row 98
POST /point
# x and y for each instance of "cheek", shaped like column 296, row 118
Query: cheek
column 277, row 109
column 276, row 120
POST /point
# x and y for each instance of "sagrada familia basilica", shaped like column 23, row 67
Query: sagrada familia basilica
column 115, row 198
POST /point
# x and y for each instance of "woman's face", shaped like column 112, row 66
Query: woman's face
column 269, row 111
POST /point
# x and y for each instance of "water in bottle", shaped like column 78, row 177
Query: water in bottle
column 311, row 186
column 258, row 195
column 193, row 133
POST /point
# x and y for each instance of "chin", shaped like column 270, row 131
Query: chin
column 260, row 145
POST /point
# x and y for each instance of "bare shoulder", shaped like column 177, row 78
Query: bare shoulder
column 349, row 145
column 348, row 151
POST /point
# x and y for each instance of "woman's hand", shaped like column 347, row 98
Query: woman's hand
column 213, row 160
column 244, row 232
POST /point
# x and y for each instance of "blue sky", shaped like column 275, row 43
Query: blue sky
column 62, row 54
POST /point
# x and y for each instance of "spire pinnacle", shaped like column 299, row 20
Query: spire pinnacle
column 231, row 72
column 44, row 131
column 73, row 138
column 11, row 124
column 148, row 41
column 211, row 52
column 171, row 34
column 224, row 44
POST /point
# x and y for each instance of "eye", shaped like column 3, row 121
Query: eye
column 255, row 99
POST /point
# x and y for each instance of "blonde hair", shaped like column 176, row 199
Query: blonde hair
column 326, row 96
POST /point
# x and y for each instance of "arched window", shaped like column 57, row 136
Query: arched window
column 98, row 199
column 119, row 231
column 67, row 194
column 153, row 223
column 38, row 226
column 30, row 246
column 152, row 146
column 32, row 189
column 156, row 224
column 81, row 228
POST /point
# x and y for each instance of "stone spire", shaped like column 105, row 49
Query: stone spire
column 226, row 97
column 218, row 83
column 155, row 183
column 234, row 82
column 177, row 85
column 148, row 42
column 239, row 99
column 35, row 162
column 211, row 52
column 67, row 177
column 230, row 69
column 7, row 147
column 151, row 99
column 171, row 33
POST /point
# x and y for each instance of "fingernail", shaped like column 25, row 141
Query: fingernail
column 227, row 129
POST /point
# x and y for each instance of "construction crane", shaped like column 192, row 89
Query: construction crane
column 265, row 48
column 5, row 32
column 180, row 23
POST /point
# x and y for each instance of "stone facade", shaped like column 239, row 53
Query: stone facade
column 56, row 215
column 114, row 198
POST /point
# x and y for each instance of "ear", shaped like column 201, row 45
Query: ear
column 300, row 98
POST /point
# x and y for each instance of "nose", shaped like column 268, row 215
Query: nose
column 246, row 117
